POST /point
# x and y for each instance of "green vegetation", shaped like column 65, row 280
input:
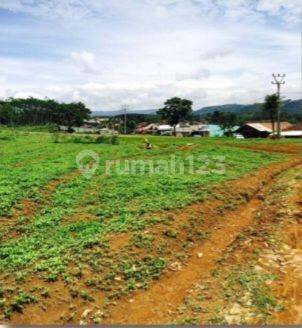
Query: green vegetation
column 55, row 242
column 32, row 111
column 28, row 162
column 253, row 283
column 38, row 115
column 291, row 111
column 84, row 139
column 271, row 105
column 175, row 111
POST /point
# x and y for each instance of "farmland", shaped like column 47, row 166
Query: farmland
column 88, row 249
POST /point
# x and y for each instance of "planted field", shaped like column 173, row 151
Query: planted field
column 137, row 232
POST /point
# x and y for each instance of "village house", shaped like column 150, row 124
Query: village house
column 202, row 130
column 165, row 130
column 146, row 128
column 259, row 129
column 294, row 131
column 182, row 129
column 88, row 128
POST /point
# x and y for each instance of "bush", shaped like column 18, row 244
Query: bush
column 82, row 139
column 70, row 130
column 113, row 140
column 101, row 139
column 85, row 139
column 53, row 128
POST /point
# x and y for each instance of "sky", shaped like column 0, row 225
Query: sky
column 109, row 53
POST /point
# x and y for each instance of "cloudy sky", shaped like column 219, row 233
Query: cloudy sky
column 141, row 52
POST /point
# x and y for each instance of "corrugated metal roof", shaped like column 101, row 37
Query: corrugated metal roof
column 259, row 127
column 164, row 127
column 291, row 133
column 267, row 126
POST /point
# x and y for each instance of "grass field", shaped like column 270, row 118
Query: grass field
column 72, row 243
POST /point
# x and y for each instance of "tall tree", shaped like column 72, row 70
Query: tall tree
column 34, row 111
column 270, row 107
column 227, row 121
column 175, row 111
column 7, row 113
column 216, row 117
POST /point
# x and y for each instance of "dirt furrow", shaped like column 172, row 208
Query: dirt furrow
column 29, row 208
column 166, row 294
column 229, row 210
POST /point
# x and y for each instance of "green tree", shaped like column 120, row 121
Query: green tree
column 216, row 117
column 8, row 114
column 175, row 111
column 32, row 111
column 270, row 107
column 227, row 121
column 73, row 114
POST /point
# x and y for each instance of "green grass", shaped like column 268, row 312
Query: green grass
column 255, row 284
column 118, row 201
column 54, row 242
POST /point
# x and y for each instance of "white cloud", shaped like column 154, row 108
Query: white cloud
column 48, row 8
column 199, row 74
column 85, row 61
column 233, row 9
column 215, row 53
column 106, row 53
column 290, row 10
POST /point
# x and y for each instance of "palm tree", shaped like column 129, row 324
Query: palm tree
column 271, row 105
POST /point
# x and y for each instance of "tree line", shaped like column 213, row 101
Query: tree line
column 176, row 110
column 32, row 111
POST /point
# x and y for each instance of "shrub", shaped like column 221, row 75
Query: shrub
column 107, row 139
column 101, row 139
column 53, row 128
column 115, row 140
column 70, row 130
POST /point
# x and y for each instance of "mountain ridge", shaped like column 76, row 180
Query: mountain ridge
column 292, row 106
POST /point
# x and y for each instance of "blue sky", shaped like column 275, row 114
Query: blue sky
column 141, row 52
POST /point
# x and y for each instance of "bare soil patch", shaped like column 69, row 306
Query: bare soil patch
column 192, row 240
column 258, row 280
column 165, row 295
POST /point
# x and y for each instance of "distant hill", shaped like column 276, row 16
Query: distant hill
column 121, row 112
column 290, row 106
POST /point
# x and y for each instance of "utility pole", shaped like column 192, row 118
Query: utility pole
column 124, row 108
column 278, row 80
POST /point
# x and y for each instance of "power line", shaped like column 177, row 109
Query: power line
column 278, row 80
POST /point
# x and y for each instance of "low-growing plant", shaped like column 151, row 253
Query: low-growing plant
column 21, row 300
column 86, row 296
column 171, row 233
column 107, row 139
